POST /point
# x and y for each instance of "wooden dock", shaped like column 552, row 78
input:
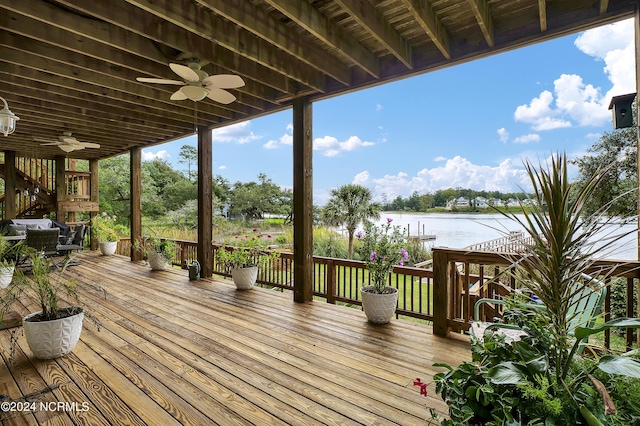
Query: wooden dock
column 174, row 351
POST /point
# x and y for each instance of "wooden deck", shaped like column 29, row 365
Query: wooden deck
column 174, row 351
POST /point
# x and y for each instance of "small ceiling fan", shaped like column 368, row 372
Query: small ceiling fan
column 198, row 84
column 68, row 143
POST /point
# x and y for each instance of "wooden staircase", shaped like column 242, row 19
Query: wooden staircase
column 35, row 190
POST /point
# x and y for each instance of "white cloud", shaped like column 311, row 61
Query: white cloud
column 361, row 178
column 504, row 135
column 223, row 167
column 573, row 100
column 531, row 137
column 286, row 139
column 440, row 159
column 160, row 155
column 378, row 107
column 456, row 172
column 240, row 133
column 330, row 146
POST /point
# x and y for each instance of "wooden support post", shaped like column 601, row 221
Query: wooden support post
column 302, row 201
column 71, row 165
column 331, row 282
column 205, row 209
column 61, row 187
column 135, row 196
column 94, row 194
column 10, row 183
column 440, row 293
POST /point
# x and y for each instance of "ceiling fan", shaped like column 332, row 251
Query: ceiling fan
column 198, row 84
column 68, row 143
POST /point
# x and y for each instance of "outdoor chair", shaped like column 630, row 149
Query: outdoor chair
column 44, row 241
column 586, row 304
column 75, row 242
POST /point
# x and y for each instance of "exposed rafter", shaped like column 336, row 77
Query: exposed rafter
column 481, row 11
column 604, row 5
column 423, row 14
column 542, row 9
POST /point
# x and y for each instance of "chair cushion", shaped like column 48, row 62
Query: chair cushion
column 16, row 229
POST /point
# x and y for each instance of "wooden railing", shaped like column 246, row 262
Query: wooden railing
column 461, row 277
column 335, row 280
column 445, row 294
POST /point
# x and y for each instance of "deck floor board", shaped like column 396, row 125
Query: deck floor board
column 164, row 350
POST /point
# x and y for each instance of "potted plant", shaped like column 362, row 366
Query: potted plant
column 158, row 252
column 10, row 254
column 243, row 255
column 542, row 377
column 54, row 330
column 383, row 248
column 102, row 230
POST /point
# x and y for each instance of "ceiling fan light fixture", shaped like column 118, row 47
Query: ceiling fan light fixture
column 7, row 119
column 195, row 93
column 67, row 147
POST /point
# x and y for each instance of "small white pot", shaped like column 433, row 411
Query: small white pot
column 244, row 278
column 6, row 275
column 52, row 339
column 108, row 248
column 379, row 307
column 157, row 261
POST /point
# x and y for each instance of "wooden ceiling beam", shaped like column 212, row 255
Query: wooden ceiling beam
column 367, row 16
column 146, row 46
column 542, row 10
column 423, row 14
column 253, row 19
column 481, row 11
column 176, row 26
column 604, row 5
column 30, row 28
column 326, row 31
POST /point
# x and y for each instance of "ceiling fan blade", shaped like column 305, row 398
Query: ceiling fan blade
column 178, row 96
column 223, row 81
column 195, row 93
column 185, row 72
column 221, row 96
column 159, row 81
column 90, row 145
column 68, row 139
column 51, row 143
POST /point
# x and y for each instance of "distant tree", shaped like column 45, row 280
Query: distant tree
column 349, row 206
column 616, row 150
column 188, row 155
column 253, row 199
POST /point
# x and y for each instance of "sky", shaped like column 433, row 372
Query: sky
column 467, row 126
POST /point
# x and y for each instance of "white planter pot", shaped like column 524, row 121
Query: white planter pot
column 379, row 308
column 52, row 339
column 6, row 275
column 108, row 248
column 157, row 261
column 244, row 278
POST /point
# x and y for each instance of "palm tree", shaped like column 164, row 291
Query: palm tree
column 349, row 206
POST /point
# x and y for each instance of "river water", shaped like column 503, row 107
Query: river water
column 459, row 230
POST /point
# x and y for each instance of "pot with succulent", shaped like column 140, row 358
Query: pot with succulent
column 54, row 330
column 102, row 229
column 158, row 252
column 383, row 248
column 242, row 256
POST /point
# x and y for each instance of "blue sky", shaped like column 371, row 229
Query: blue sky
column 467, row 126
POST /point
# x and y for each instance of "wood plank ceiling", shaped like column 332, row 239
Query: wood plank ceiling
column 71, row 65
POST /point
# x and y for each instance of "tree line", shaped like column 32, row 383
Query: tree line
column 424, row 202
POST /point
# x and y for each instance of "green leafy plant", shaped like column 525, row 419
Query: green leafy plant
column 10, row 252
column 247, row 250
column 102, row 228
column 49, row 288
column 542, row 376
column 384, row 247
column 149, row 245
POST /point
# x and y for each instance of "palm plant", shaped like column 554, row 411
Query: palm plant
column 349, row 206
